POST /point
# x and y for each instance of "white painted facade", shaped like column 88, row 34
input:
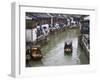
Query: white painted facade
column 31, row 35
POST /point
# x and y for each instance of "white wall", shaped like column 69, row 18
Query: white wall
column 5, row 41
column 28, row 35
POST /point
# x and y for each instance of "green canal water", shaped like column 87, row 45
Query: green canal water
column 53, row 51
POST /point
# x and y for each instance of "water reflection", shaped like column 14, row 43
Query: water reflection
column 54, row 51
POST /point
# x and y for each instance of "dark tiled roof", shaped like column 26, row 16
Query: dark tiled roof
column 40, row 15
column 58, row 16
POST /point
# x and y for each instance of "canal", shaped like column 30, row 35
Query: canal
column 53, row 51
